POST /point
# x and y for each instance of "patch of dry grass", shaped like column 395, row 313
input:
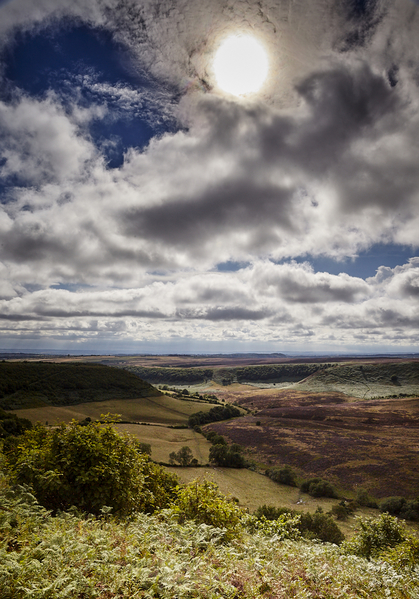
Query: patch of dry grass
column 165, row 440
column 163, row 409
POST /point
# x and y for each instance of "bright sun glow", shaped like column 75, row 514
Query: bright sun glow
column 241, row 65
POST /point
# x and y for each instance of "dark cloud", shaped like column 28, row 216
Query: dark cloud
column 323, row 163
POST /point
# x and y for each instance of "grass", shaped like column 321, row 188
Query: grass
column 367, row 380
column 164, row 440
column 163, row 409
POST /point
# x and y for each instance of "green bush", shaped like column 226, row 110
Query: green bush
column 343, row 509
column 203, row 503
column 318, row 526
column 214, row 415
column 376, row 536
column 399, row 506
column 228, row 456
column 284, row 476
column 11, row 425
column 363, row 498
column 316, row 487
column 270, row 512
column 84, row 466
column 184, row 456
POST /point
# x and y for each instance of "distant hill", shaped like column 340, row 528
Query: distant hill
column 277, row 373
column 36, row 384
column 367, row 380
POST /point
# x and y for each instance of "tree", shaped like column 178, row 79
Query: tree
column 227, row 456
column 184, row 456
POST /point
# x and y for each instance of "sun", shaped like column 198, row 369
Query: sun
column 241, row 65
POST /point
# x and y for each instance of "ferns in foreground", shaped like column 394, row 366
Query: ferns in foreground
column 154, row 556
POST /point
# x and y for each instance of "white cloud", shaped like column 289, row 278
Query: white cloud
column 324, row 164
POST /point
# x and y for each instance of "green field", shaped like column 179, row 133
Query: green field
column 163, row 409
column 165, row 440
column 253, row 489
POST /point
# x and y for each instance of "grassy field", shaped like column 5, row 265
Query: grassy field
column 253, row 489
column 163, row 409
column 165, row 440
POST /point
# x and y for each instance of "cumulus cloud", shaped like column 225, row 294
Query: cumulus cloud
column 323, row 164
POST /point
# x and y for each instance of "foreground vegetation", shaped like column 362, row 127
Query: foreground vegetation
column 120, row 526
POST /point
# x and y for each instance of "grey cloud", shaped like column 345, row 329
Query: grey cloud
column 225, row 313
column 225, row 207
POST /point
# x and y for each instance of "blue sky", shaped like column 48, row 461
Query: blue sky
column 144, row 209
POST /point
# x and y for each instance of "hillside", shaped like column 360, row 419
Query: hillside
column 367, row 380
column 256, row 373
column 36, row 384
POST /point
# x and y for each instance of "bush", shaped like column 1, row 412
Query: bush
column 343, row 509
column 316, row 487
column 269, row 512
column 85, row 466
column 229, row 456
column 320, row 526
column 399, row 506
column 284, row 476
column 311, row 526
column 376, row 536
column 11, row 425
column 214, row 415
column 363, row 498
column 203, row 503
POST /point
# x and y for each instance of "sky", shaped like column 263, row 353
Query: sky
column 144, row 209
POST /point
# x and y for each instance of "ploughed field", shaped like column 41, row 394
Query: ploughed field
column 370, row 444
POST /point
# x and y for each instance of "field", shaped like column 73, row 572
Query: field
column 163, row 409
column 164, row 440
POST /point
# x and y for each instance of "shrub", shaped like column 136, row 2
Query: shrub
column 393, row 505
column 229, row 456
column 399, row 506
column 318, row 526
column 316, row 487
column 376, row 536
column 363, row 498
column 11, row 425
column 285, row 475
column 343, row 509
column 214, row 415
column 144, row 448
column 269, row 512
column 86, row 466
column 203, row 503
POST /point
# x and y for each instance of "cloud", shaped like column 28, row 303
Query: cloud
column 324, row 164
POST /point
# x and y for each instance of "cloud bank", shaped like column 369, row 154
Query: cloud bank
column 323, row 164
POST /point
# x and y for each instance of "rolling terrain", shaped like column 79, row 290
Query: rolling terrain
column 354, row 422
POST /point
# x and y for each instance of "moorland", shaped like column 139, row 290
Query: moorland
column 293, row 427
